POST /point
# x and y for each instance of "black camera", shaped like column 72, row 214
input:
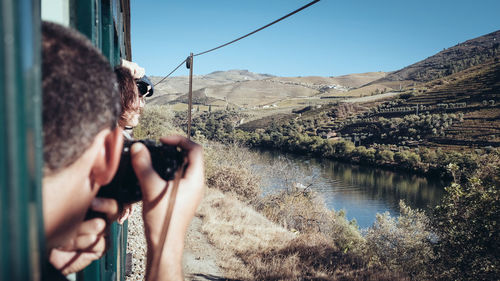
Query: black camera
column 125, row 186
column 145, row 87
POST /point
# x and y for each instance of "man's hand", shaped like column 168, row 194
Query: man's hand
column 89, row 243
column 136, row 71
column 156, row 193
column 127, row 211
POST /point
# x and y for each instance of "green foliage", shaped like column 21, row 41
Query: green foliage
column 460, row 240
column 414, row 126
column 467, row 223
column 156, row 121
column 218, row 126
column 402, row 244
column 384, row 156
column 297, row 136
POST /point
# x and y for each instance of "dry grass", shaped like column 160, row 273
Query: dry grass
column 288, row 235
column 253, row 248
column 303, row 211
column 312, row 257
column 236, row 181
column 235, row 228
column 156, row 121
column 217, row 105
column 228, row 168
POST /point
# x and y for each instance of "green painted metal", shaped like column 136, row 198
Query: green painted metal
column 21, row 246
column 85, row 22
column 107, row 31
column 98, row 24
column 123, row 245
column 86, row 18
column 95, row 20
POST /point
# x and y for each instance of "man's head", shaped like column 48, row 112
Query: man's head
column 80, row 95
column 131, row 101
column 82, row 144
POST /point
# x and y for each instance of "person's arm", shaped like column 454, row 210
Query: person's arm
column 89, row 243
column 156, row 193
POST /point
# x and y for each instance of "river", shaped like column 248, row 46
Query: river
column 360, row 191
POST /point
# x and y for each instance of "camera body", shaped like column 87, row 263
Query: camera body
column 145, row 87
column 124, row 187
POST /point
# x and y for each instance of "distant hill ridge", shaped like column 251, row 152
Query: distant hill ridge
column 452, row 60
column 245, row 87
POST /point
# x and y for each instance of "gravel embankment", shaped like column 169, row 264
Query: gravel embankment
column 136, row 245
column 199, row 261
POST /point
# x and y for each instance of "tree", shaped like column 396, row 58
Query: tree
column 384, row 156
column 466, row 222
column 343, row 148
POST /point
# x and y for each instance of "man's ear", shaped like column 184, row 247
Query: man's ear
column 108, row 158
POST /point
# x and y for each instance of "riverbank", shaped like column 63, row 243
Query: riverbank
column 325, row 246
column 239, row 235
column 359, row 191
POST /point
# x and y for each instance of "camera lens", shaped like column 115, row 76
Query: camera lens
column 142, row 87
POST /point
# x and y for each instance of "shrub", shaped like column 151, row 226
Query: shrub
column 467, row 223
column 343, row 148
column 312, row 257
column 406, row 96
column 156, row 121
column 235, row 180
column 301, row 210
column 384, row 155
column 228, row 168
column 402, row 244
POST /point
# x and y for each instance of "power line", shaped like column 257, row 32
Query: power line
column 244, row 36
column 257, row 30
column 170, row 72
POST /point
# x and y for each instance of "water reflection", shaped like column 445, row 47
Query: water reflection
column 361, row 191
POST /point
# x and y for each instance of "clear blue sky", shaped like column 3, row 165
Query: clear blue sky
column 330, row 38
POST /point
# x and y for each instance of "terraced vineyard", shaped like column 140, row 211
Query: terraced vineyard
column 459, row 111
column 478, row 88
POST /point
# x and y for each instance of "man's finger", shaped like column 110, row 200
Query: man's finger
column 126, row 213
column 194, row 153
column 87, row 243
column 92, row 226
column 152, row 185
column 106, row 206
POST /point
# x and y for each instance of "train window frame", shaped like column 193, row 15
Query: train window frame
column 22, row 245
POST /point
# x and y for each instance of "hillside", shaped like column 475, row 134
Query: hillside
column 458, row 111
column 179, row 84
column 242, row 88
column 472, row 96
column 450, row 60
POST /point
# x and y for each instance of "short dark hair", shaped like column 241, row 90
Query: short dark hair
column 129, row 94
column 80, row 95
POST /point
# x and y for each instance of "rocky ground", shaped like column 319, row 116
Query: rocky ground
column 200, row 256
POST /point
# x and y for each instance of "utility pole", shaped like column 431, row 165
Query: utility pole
column 189, row 64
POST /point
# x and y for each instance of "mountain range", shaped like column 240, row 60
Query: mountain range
column 243, row 88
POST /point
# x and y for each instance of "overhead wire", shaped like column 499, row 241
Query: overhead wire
column 189, row 59
column 257, row 30
column 242, row 37
column 170, row 72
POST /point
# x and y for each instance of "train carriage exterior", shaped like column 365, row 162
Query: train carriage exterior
column 107, row 24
